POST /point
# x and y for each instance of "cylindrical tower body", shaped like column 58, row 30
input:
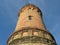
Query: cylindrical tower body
column 30, row 29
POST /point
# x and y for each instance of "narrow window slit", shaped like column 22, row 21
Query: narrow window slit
column 30, row 17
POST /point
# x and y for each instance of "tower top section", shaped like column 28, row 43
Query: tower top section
column 30, row 16
column 30, row 6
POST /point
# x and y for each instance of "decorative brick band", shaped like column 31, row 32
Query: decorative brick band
column 34, row 35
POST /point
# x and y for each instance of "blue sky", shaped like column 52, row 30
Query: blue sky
column 9, row 14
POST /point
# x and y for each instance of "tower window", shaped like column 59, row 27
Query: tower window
column 25, row 33
column 36, row 33
column 30, row 17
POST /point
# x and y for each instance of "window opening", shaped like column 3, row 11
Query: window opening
column 30, row 17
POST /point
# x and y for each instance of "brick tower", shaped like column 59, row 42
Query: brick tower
column 30, row 29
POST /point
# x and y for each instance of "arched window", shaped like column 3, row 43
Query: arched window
column 25, row 33
column 36, row 33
